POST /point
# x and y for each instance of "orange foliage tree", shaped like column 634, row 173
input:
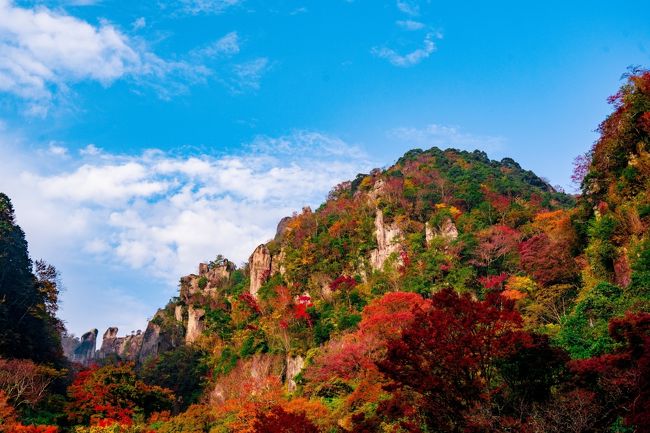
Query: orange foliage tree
column 113, row 394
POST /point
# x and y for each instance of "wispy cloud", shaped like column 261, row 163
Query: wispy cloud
column 410, row 25
column 214, row 7
column 409, row 7
column 411, row 58
column 56, row 150
column 227, row 45
column 156, row 214
column 139, row 23
column 248, row 75
column 446, row 136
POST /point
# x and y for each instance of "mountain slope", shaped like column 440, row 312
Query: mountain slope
column 446, row 293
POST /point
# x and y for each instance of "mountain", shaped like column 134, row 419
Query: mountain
column 434, row 219
column 448, row 292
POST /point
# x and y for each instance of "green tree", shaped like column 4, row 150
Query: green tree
column 28, row 297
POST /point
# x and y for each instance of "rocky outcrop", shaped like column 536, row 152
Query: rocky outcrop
column 446, row 230
column 110, row 343
column 429, row 234
column 283, row 227
column 378, row 189
column 277, row 263
column 130, row 346
column 125, row 348
column 152, row 342
column 195, row 325
column 388, row 237
column 294, row 366
column 69, row 342
column 84, row 353
column 210, row 278
column 178, row 313
column 163, row 333
column 259, row 265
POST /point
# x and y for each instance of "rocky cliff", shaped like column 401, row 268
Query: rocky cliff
column 388, row 236
column 84, row 352
column 123, row 348
column 259, row 266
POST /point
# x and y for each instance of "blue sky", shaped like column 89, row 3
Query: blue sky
column 138, row 138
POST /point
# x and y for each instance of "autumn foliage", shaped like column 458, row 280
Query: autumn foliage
column 446, row 293
column 113, row 394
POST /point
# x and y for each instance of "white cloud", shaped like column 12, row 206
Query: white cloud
column 140, row 23
column 56, row 150
column 215, row 7
column 100, row 184
column 446, row 136
column 409, row 59
column 42, row 51
column 41, row 47
column 408, row 7
column 298, row 11
column 99, row 216
column 227, row 45
column 248, row 75
column 90, row 150
column 410, row 25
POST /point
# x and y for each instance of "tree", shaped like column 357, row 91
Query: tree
column 113, row 394
column 546, row 261
column 28, row 328
column 530, row 373
column 446, row 358
column 495, row 245
column 182, row 370
column 584, row 331
column 605, row 391
column 8, row 415
column 351, row 355
column 278, row 420
column 621, row 380
column 25, row 383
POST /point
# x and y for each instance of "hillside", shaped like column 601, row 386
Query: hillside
column 435, row 219
column 448, row 292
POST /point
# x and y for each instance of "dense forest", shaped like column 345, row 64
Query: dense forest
column 446, row 293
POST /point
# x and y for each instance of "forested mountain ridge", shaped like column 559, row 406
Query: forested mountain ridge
column 447, row 292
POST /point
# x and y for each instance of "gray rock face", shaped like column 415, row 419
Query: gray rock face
column 178, row 313
column 282, row 227
column 171, row 327
column 388, row 236
column 125, row 348
column 110, row 343
column 69, row 343
column 130, row 346
column 152, row 343
column 294, row 366
column 378, row 189
column 447, row 231
column 260, row 268
column 277, row 262
column 163, row 333
column 85, row 353
column 209, row 279
column 195, row 324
